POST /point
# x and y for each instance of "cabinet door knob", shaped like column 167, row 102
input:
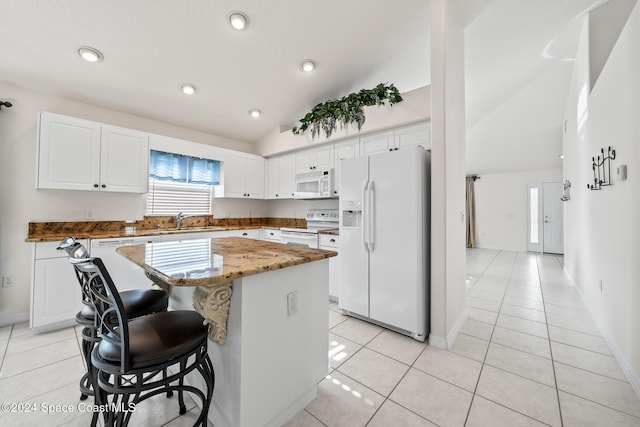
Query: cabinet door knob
column 104, row 185
column 332, row 240
column 390, row 149
column 244, row 234
column 95, row 185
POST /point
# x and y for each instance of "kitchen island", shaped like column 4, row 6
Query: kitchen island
column 271, row 351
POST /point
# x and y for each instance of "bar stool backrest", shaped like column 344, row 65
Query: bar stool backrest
column 111, row 316
column 77, row 255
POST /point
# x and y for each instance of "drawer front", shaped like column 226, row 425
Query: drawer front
column 272, row 234
column 330, row 240
column 248, row 233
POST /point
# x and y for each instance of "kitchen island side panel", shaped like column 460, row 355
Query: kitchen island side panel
column 270, row 365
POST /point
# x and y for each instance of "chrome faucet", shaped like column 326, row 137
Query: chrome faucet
column 180, row 217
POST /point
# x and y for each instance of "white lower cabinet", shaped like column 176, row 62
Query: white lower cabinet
column 271, row 234
column 331, row 242
column 253, row 233
column 55, row 292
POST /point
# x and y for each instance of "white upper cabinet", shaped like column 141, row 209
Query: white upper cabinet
column 244, row 176
column 376, row 143
column 344, row 150
column 404, row 137
column 281, row 177
column 411, row 136
column 287, row 176
column 320, row 158
column 254, row 173
column 124, row 160
column 69, row 153
column 76, row 154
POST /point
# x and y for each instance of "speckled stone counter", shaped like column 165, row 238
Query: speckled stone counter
column 225, row 259
column 266, row 304
column 212, row 265
column 149, row 226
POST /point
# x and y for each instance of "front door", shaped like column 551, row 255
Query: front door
column 552, row 215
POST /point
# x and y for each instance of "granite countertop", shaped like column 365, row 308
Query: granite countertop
column 135, row 233
column 149, row 226
column 208, row 262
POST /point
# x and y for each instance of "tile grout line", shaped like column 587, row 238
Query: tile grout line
column 553, row 365
column 4, row 354
column 484, row 360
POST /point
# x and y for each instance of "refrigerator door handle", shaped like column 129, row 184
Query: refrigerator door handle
column 371, row 217
column 365, row 210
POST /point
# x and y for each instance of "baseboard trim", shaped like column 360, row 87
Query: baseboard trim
column 13, row 319
column 438, row 342
column 446, row 343
column 631, row 374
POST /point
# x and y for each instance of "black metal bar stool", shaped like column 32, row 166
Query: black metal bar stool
column 138, row 302
column 132, row 353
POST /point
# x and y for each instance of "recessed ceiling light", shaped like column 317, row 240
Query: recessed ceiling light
column 188, row 89
column 239, row 20
column 255, row 113
column 90, row 54
column 561, row 156
column 308, row 65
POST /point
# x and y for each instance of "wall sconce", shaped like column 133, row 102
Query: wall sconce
column 566, row 192
column 602, row 169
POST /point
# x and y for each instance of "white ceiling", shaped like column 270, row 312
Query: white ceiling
column 518, row 62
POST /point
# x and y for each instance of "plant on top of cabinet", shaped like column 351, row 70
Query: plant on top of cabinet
column 346, row 110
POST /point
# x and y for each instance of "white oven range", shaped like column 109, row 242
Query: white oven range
column 317, row 220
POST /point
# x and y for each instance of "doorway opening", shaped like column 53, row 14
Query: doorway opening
column 544, row 218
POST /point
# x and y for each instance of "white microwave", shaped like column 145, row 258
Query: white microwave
column 317, row 184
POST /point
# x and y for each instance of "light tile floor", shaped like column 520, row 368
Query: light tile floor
column 528, row 355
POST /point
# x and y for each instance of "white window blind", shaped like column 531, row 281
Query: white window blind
column 170, row 198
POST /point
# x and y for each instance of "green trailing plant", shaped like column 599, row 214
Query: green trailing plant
column 346, row 111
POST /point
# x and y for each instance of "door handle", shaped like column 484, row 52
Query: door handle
column 364, row 214
column 371, row 191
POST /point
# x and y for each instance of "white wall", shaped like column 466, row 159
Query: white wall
column 602, row 237
column 298, row 208
column 501, row 207
column 447, row 172
column 21, row 203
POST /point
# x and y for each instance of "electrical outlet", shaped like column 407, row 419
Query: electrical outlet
column 7, row 281
column 292, row 303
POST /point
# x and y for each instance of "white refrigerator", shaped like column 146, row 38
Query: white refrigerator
column 384, row 239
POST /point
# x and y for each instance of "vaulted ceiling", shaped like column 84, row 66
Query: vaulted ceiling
column 518, row 62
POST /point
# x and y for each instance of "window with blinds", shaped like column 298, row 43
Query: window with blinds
column 180, row 183
column 170, row 198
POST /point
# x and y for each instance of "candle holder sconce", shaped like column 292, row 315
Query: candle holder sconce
column 566, row 192
column 602, row 169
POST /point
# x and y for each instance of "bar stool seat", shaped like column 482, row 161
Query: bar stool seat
column 156, row 339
